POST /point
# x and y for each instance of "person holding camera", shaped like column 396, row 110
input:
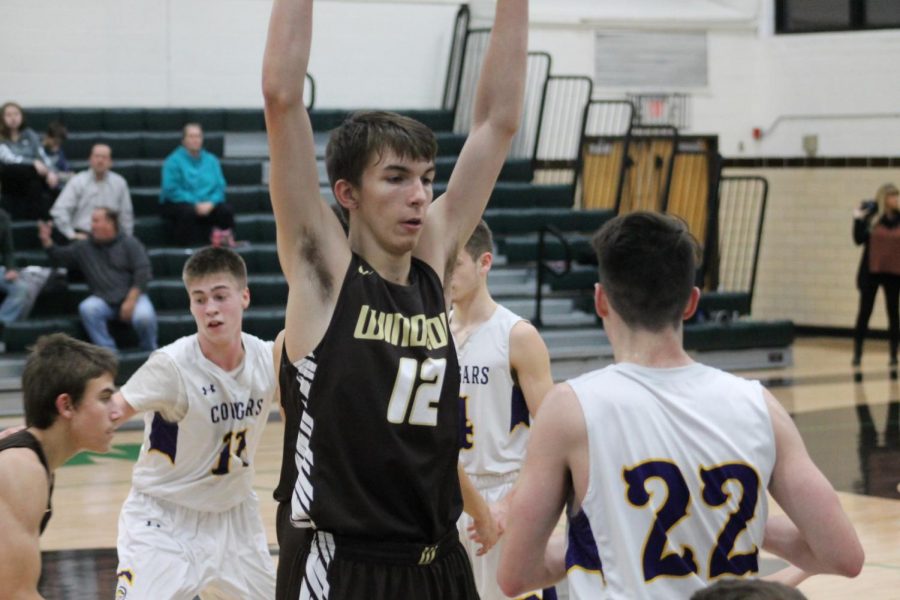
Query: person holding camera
column 879, row 266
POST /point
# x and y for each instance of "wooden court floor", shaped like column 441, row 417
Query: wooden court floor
column 849, row 422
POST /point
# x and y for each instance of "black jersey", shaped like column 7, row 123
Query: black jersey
column 288, row 389
column 24, row 439
column 378, row 402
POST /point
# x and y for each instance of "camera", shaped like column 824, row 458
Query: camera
column 869, row 206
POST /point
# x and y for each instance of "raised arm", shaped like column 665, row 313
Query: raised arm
column 312, row 248
column 496, row 115
column 808, row 501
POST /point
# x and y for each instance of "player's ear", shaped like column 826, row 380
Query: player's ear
column 345, row 194
column 691, row 307
column 65, row 406
column 485, row 261
column 245, row 298
column 601, row 301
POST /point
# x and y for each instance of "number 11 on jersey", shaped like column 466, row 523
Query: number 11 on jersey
column 425, row 379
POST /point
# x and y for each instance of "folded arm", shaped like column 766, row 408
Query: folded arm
column 808, row 501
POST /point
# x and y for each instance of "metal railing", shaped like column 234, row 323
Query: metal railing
column 559, row 133
column 455, row 63
column 309, row 92
column 544, row 266
column 603, row 151
column 742, row 209
column 525, row 142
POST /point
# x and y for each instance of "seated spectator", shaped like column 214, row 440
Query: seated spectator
column 26, row 176
column 16, row 293
column 54, row 138
column 93, row 188
column 117, row 270
column 193, row 193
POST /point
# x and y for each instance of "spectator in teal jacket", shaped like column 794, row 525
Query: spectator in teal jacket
column 193, row 194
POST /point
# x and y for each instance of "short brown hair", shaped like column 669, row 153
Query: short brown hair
column 365, row 134
column 59, row 364
column 648, row 265
column 748, row 589
column 481, row 240
column 58, row 131
column 212, row 261
column 191, row 124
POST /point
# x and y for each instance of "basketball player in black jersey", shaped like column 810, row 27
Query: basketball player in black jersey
column 67, row 386
column 366, row 323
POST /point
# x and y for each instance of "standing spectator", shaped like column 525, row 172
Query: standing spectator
column 54, row 138
column 93, row 188
column 879, row 266
column 193, row 193
column 15, row 290
column 26, row 175
column 117, row 270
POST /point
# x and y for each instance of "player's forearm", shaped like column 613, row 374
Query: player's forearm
column 790, row 576
column 287, row 52
column 501, row 86
column 836, row 551
column 784, row 539
column 473, row 503
column 521, row 572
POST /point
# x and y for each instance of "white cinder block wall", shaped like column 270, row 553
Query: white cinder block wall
column 838, row 86
column 808, row 261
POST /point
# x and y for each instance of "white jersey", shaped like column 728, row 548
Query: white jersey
column 202, row 425
column 679, row 463
column 494, row 416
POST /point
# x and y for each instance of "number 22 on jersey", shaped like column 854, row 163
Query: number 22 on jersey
column 658, row 559
column 429, row 375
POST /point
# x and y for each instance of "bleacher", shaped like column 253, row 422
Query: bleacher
column 575, row 164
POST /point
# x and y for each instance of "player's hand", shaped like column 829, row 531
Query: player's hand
column 11, row 275
column 500, row 511
column 486, row 532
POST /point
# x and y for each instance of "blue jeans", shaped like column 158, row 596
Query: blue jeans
column 96, row 313
column 16, row 295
